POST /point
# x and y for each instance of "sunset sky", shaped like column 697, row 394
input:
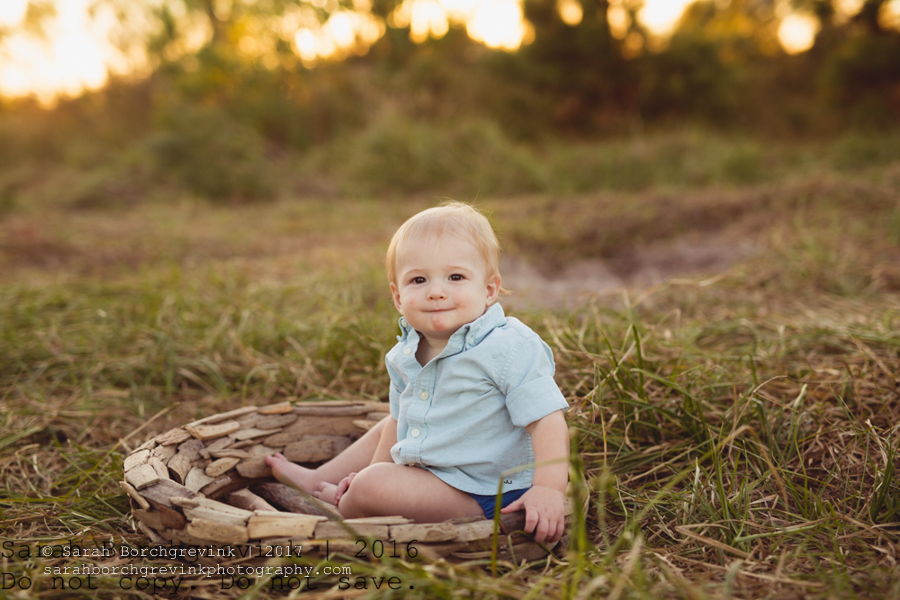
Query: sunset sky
column 77, row 54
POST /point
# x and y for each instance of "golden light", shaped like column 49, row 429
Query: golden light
column 342, row 29
column 306, row 47
column 661, row 16
column 845, row 9
column 345, row 32
column 72, row 58
column 797, row 32
column 495, row 23
column 459, row 10
column 12, row 11
column 499, row 24
column 77, row 54
column 619, row 21
column 425, row 18
column 889, row 15
column 570, row 12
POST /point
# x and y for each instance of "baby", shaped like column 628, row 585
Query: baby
column 472, row 395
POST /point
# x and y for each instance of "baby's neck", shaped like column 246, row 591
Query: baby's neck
column 429, row 349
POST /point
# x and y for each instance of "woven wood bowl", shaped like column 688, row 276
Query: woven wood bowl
column 188, row 486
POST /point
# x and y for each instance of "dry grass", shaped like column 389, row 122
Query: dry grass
column 738, row 431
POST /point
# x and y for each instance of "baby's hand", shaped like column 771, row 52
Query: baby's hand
column 342, row 487
column 544, row 513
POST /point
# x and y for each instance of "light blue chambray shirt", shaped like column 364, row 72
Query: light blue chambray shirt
column 463, row 415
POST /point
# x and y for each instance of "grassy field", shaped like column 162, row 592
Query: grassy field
column 738, row 429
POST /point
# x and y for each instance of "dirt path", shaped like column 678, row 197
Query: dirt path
column 576, row 284
column 104, row 245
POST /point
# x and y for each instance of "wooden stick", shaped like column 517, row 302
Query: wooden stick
column 248, row 501
column 296, row 501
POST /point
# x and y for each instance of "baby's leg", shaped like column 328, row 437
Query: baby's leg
column 292, row 474
column 353, row 459
column 386, row 489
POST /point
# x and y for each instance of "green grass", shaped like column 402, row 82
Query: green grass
column 738, row 433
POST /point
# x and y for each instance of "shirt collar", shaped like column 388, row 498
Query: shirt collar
column 478, row 329
column 469, row 334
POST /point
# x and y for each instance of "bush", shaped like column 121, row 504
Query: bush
column 205, row 150
column 103, row 187
column 856, row 151
column 402, row 156
column 861, row 77
column 676, row 159
column 743, row 165
column 689, row 78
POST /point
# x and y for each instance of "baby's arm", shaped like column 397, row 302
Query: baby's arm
column 544, row 503
column 387, row 441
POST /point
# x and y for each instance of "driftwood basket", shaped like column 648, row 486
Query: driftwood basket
column 189, row 486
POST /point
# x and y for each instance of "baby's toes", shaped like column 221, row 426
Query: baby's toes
column 325, row 492
column 274, row 459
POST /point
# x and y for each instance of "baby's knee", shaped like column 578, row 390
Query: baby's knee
column 368, row 492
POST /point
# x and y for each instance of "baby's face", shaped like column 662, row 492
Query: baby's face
column 442, row 284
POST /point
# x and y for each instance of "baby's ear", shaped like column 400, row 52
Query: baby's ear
column 493, row 289
column 396, row 295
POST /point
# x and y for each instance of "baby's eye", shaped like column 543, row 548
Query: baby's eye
column 456, row 277
column 418, row 280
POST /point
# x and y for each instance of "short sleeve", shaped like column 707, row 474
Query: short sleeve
column 397, row 387
column 531, row 392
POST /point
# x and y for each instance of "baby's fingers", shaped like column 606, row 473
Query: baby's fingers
column 532, row 521
column 531, row 516
column 560, row 530
column 554, row 526
column 541, row 531
column 342, row 487
column 555, row 529
column 516, row 505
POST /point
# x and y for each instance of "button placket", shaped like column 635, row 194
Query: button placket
column 423, row 383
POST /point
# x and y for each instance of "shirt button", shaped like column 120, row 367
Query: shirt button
column 415, row 432
column 470, row 342
column 408, row 351
column 402, row 322
column 424, row 395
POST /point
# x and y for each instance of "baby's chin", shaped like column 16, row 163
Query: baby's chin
column 444, row 328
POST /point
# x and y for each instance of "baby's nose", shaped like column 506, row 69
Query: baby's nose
column 436, row 293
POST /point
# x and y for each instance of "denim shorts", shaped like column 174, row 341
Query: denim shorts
column 489, row 502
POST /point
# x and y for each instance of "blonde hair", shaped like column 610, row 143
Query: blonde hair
column 458, row 219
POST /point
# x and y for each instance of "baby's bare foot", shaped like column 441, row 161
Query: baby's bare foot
column 326, row 492
column 292, row 474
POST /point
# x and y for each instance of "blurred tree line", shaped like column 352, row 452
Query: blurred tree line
column 215, row 115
